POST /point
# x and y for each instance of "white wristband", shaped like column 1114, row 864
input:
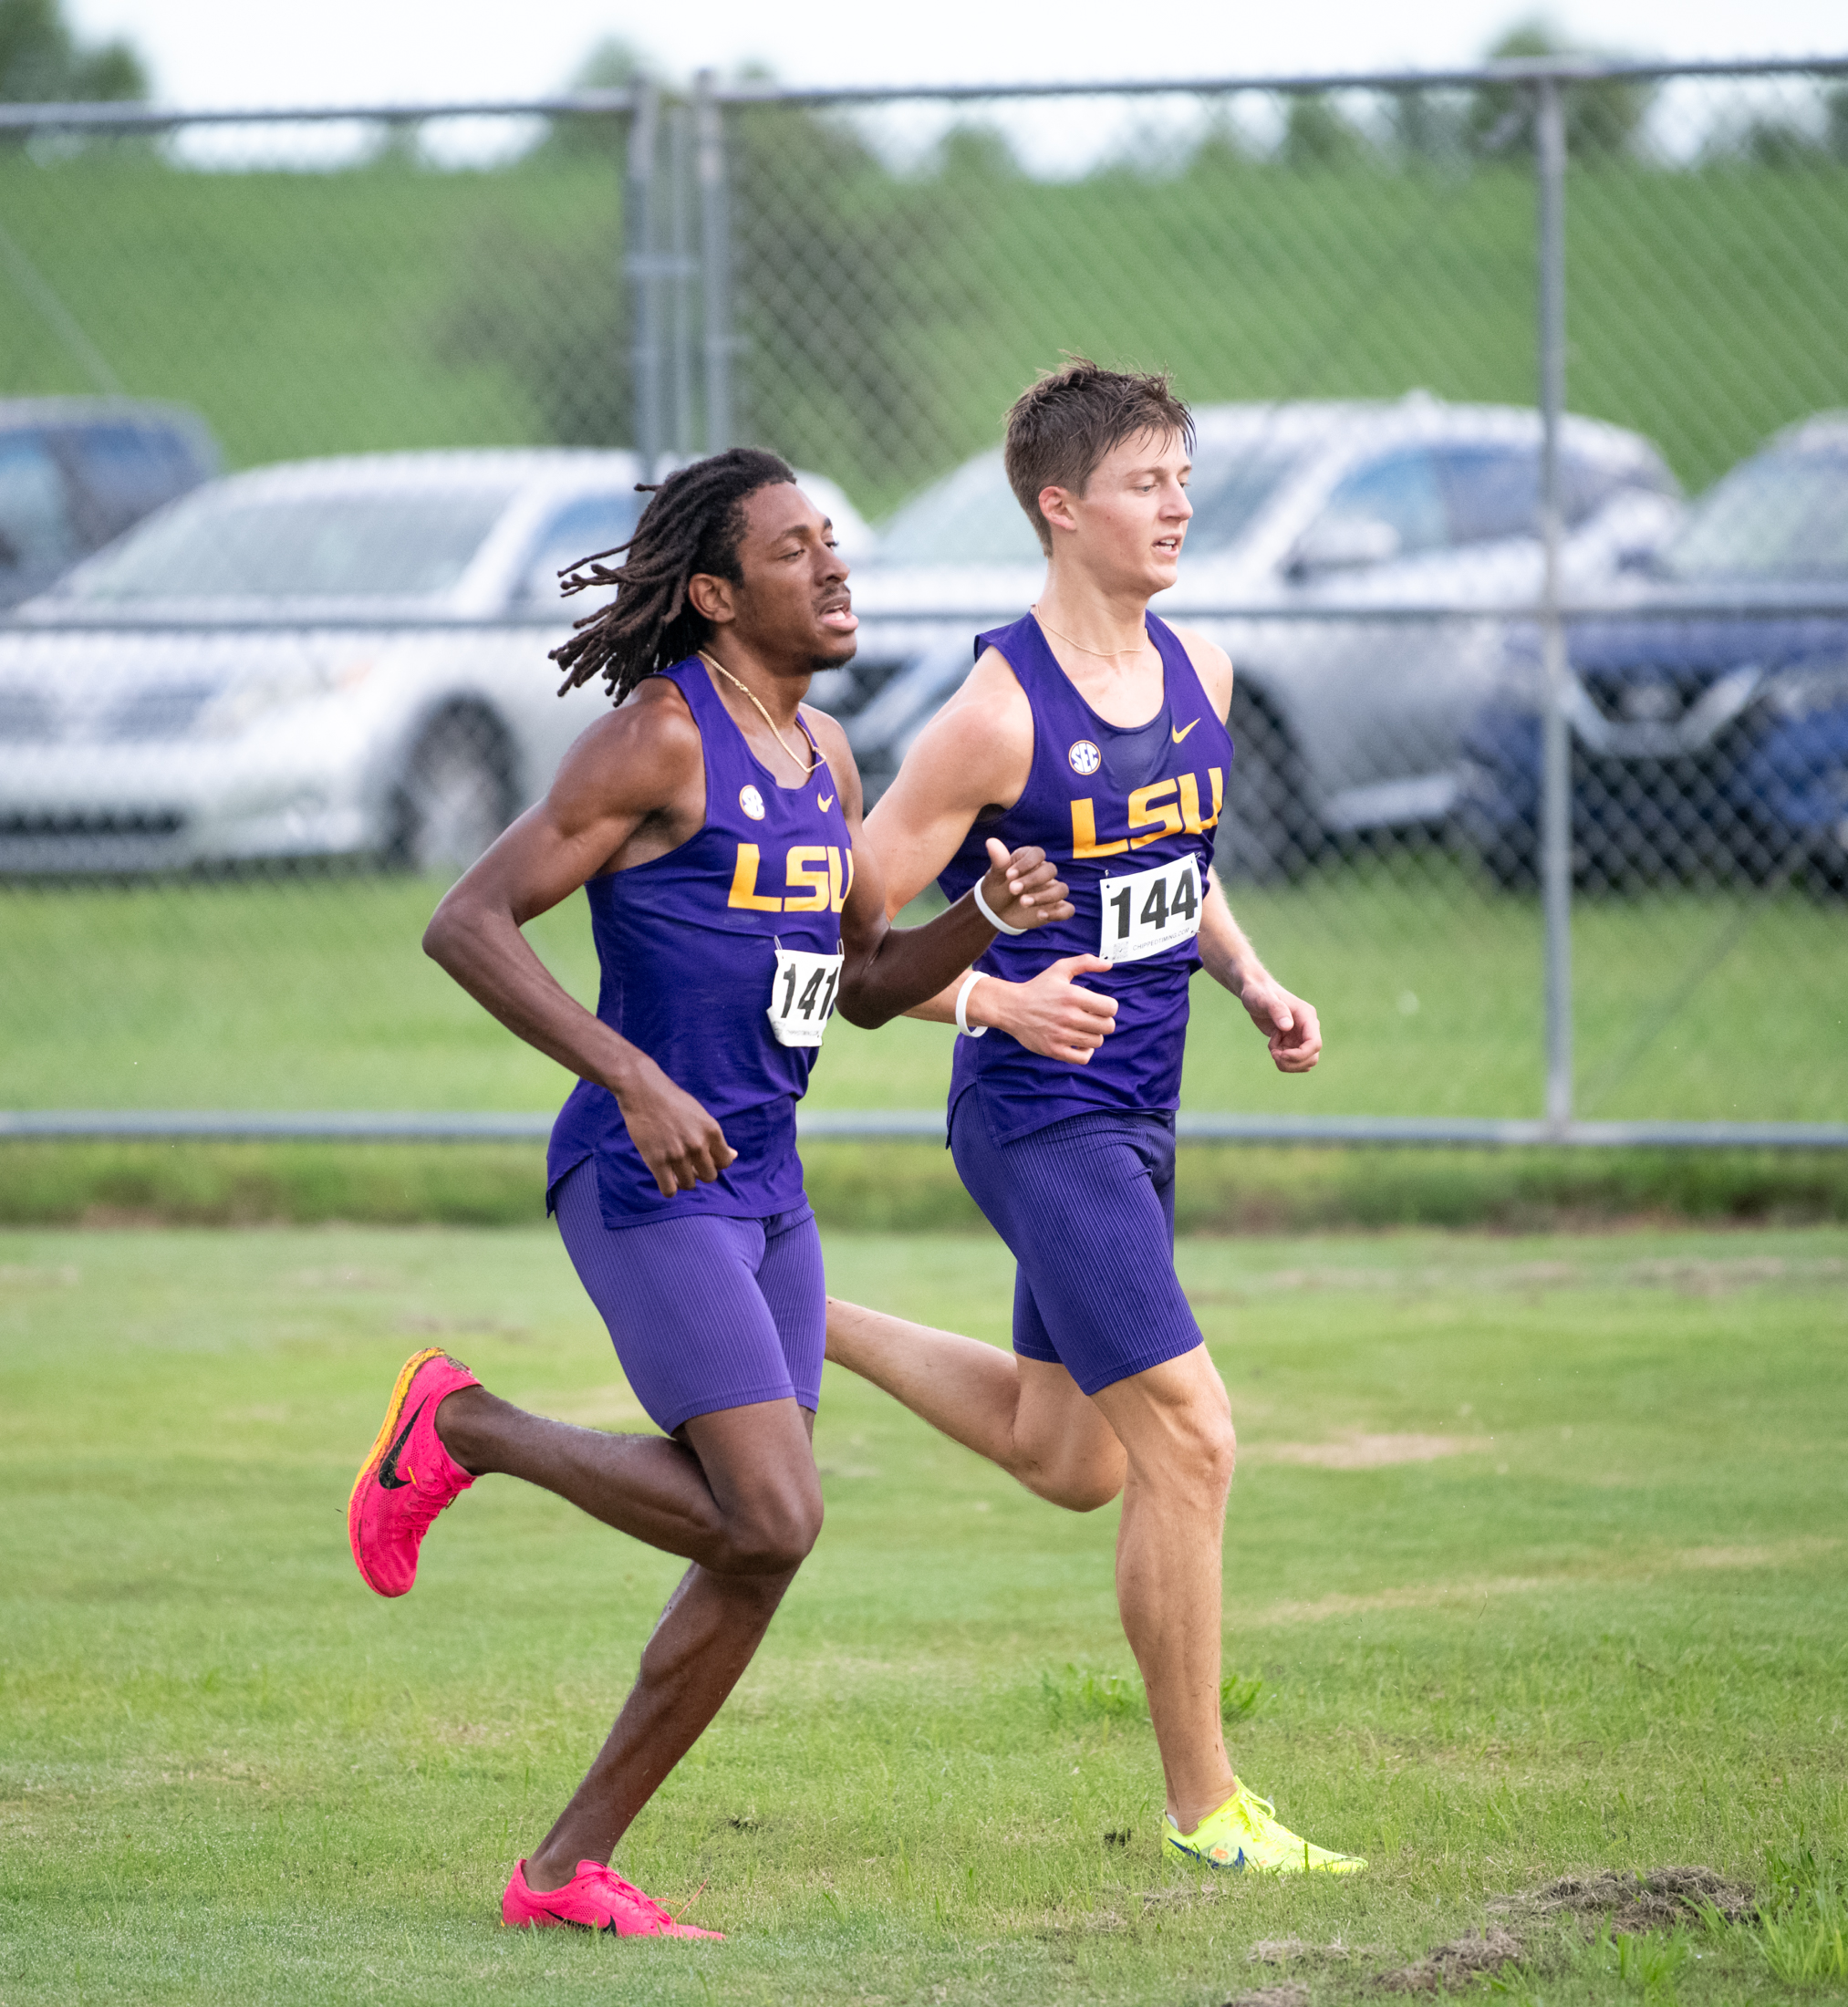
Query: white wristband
column 1000, row 926
column 962, row 1024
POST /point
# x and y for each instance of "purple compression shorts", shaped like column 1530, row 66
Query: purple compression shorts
column 1087, row 1208
column 706, row 1311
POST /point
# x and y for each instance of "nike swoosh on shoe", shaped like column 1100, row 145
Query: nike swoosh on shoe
column 388, row 1463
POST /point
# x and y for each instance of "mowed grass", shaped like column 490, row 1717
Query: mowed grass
column 313, row 992
column 1605, row 1624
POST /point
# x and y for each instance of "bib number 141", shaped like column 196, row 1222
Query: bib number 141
column 1150, row 910
column 802, row 995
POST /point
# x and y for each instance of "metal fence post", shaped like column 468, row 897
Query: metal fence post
column 683, row 271
column 1556, row 809
column 644, row 278
column 715, row 250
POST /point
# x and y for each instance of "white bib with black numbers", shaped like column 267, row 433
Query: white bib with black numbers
column 1149, row 911
column 802, row 995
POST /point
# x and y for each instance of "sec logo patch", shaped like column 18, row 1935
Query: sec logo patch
column 1084, row 756
column 750, row 802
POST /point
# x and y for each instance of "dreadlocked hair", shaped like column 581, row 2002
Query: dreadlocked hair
column 692, row 524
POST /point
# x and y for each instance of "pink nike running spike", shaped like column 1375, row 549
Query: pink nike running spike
column 595, row 1898
column 408, row 1477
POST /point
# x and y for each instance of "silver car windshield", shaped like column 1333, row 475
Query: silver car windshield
column 1227, row 490
column 970, row 517
column 1784, row 516
column 228, row 546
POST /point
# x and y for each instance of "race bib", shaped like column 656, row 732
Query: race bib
column 1150, row 910
column 802, row 995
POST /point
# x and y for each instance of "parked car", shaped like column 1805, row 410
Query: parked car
column 76, row 471
column 1709, row 728
column 1318, row 530
column 335, row 657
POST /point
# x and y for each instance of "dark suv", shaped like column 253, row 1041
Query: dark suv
column 74, row 473
column 1709, row 724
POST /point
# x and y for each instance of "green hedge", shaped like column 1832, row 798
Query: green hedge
column 887, row 1187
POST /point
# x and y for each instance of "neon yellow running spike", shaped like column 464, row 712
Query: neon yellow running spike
column 1245, row 1833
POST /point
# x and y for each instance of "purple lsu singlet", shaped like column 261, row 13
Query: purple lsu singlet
column 1127, row 816
column 700, row 949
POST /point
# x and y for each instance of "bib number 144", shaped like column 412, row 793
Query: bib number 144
column 802, row 995
column 1149, row 911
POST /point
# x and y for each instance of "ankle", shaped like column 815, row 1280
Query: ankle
column 1191, row 1814
column 456, row 1422
column 545, row 1873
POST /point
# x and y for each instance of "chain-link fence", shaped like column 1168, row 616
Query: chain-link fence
column 1517, row 505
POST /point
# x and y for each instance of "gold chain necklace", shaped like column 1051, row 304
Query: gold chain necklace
column 1103, row 654
column 712, row 662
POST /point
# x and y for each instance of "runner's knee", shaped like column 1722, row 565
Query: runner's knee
column 1079, row 1490
column 1212, row 1447
column 770, row 1534
column 1195, row 1452
column 1081, row 1479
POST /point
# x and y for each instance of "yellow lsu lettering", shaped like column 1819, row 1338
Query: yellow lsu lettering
column 1189, row 802
column 804, row 870
column 1146, row 806
column 1150, row 810
column 816, row 881
column 1085, row 842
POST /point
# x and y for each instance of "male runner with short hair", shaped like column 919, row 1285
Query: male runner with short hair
column 712, row 820
column 1094, row 730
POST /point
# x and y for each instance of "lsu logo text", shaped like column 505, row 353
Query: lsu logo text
column 1163, row 808
column 816, row 879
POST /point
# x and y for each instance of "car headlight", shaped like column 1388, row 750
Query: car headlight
column 1801, row 693
column 247, row 700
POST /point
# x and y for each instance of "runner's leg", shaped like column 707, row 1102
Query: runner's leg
column 706, row 1637
column 1025, row 1414
column 722, row 1304
column 1087, row 1207
column 1175, row 1421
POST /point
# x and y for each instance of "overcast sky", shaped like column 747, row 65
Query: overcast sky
column 229, row 52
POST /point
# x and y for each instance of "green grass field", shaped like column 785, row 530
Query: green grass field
column 1603, row 1630
column 313, row 993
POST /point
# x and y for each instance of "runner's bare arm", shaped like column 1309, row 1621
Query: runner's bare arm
column 1290, row 1025
column 887, row 969
column 974, row 756
column 632, row 786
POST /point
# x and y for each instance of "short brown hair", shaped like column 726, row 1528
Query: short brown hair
column 1060, row 430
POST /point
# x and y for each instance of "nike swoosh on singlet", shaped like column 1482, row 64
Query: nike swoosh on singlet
column 387, row 1464
column 825, row 802
column 1185, row 729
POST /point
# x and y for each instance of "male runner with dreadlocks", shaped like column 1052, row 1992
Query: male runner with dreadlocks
column 711, row 820
column 1097, row 731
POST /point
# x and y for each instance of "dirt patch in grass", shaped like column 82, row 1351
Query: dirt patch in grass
column 1446, row 1967
column 1464, row 1595
column 1629, row 1901
column 596, row 1407
column 1359, row 1451
column 1687, row 1275
column 1657, row 1900
column 1278, row 1950
column 1285, row 1950
column 1292, row 1992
